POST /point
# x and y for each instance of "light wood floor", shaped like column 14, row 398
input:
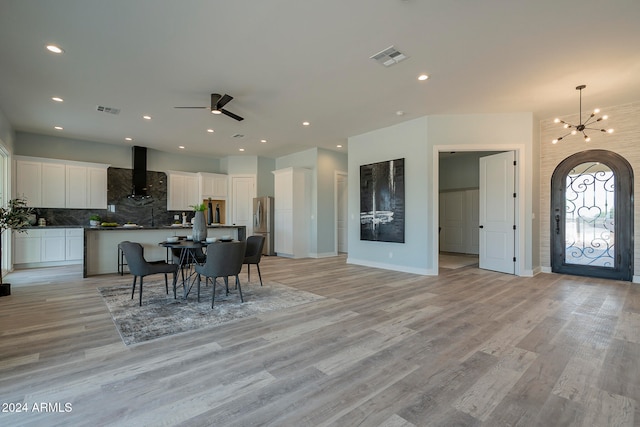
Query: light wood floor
column 469, row 348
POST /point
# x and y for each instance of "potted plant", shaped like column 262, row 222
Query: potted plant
column 95, row 220
column 15, row 216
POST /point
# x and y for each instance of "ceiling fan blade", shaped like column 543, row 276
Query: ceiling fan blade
column 223, row 101
column 215, row 97
column 230, row 114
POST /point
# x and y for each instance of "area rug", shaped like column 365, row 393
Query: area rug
column 161, row 315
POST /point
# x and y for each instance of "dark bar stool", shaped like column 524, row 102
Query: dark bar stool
column 121, row 260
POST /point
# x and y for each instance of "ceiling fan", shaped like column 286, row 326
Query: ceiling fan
column 217, row 102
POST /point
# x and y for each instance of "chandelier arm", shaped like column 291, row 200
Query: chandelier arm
column 591, row 120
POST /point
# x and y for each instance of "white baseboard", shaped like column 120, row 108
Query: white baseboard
column 636, row 279
column 546, row 269
column 322, row 255
column 394, row 267
column 531, row 273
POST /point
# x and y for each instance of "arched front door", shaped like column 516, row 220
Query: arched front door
column 592, row 216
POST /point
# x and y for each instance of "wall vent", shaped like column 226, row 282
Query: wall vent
column 389, row 56
column 110, row 110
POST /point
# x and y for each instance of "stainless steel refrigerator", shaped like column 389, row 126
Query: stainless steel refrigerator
column 263, row 222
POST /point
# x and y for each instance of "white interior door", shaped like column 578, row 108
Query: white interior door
column 341, row 212
column 243, row 190
column 497, row 212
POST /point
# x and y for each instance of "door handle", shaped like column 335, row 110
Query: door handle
column 482, row 226
column 557, row 224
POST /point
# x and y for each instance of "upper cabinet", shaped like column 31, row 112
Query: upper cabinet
column 213, row 185
column 48, row 183
column 85, row 186
column 183, row 191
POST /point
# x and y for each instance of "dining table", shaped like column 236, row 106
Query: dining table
column 187, row 260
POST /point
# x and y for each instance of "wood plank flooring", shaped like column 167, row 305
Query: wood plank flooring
column 469, row 348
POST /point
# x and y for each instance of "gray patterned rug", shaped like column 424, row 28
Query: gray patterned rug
column 161, row 315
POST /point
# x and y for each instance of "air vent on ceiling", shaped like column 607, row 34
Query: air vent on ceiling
column 110, row 110
column 389, row 56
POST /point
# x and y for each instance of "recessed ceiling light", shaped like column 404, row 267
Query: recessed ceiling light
column 339, row 146
column 210, row 130
column 58, row 127
column 55, row 49
column 128, row 138
column 57, row 99
column 399, row 113
column 181, row 147
column 305, row 123
column 240, row 149
column 263, row 140
column 423, row 77
column 146, row 117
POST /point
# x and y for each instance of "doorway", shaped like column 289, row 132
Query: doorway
column 515, row 245
column 592, row 216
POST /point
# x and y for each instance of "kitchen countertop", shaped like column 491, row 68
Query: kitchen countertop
column 120, row 227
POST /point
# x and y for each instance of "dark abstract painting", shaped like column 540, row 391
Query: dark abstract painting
column 382, row 201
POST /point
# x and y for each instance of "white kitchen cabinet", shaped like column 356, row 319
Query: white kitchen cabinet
column 29, row 181
column 213, row 185
column 27, row 246
column 74, row 244
column 76, row 179
column 183, row 191
column 86, row 187
column 53, row 245
column 292, row 212
column 53, row 185
column 49, row 246
column 41, row 183
column 50, row 183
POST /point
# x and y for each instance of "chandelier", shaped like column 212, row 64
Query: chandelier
column 581, row 127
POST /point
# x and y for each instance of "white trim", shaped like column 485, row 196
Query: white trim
column 520, row 214
column 323, row 254
column 636, row 279
column 546, row 269
column 337, row 173
column 394, row 267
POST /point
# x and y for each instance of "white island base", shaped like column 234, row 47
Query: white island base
column 101, row 245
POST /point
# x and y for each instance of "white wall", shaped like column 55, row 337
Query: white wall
column 119, row 156
column 265, row 177
column 418, row 141
column 7, row 135
column 328, row 163
column 322, row 163
column 409, row 141
column 492, row 132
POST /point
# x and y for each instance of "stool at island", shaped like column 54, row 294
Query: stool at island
column 121, row 261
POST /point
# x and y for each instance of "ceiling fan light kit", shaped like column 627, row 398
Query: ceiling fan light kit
column 581, row 127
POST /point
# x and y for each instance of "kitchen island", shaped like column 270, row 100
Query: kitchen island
column 101, row 243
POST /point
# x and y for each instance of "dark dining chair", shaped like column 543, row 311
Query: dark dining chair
column 253, row 254
column 140, row 267
column 224, row 259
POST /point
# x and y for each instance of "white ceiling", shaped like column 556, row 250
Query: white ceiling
column 286, row 61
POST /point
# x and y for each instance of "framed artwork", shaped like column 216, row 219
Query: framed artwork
column 382, row 201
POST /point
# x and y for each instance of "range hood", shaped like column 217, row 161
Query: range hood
column 139, row 179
